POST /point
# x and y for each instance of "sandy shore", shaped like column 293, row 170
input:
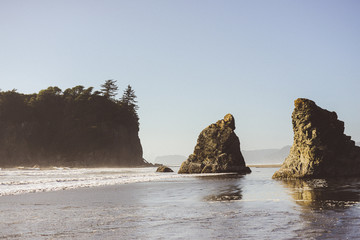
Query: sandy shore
column 206, row 207
column 181, row 208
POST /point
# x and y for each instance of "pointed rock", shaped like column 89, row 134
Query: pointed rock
column 320, row 148
column 217, row 150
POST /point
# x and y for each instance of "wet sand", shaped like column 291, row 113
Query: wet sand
column 214, row 207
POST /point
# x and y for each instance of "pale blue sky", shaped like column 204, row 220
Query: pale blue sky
column 191, row 62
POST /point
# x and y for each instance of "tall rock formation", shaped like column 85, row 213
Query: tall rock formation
column 217, row 150
column 320, row 148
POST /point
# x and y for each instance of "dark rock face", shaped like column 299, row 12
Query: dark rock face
column 164, row 169
column 123, row 148
column 217, row 150
column 74, row 128
column 320, row 148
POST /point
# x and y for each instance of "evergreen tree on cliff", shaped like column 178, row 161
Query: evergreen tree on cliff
column 109, row 88
column 129, row 98
column 129, row 102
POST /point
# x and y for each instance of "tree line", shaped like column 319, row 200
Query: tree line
column 18, row 107
column 71, row 122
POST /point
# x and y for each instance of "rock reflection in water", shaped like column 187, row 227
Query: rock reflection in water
column 233, row 193
column 325, row 193
column 225, row 192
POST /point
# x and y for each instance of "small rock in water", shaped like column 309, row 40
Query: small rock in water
column 320, row 148
column 164, row 169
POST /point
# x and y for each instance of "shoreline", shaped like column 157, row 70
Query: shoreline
column 264, row 165
column 150, row 165
column 37, row 167
column 184, row 207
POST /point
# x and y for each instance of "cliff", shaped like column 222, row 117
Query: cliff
column 76, row 128
column 217, row 150
column 320, row 148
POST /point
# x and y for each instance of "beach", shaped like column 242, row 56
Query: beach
column 224, row 206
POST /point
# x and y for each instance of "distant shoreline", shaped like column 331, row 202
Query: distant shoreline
column 37, row 167
column 264, row 165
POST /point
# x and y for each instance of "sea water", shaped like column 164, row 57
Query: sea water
column 141, row 204
column 28, row 180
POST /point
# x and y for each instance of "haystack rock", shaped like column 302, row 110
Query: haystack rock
column 217, row 150
column 320, row 148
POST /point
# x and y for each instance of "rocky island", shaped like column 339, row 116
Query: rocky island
column 217, row 150
column 77, row 127
column 320, row 148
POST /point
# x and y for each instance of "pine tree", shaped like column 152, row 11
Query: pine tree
column 109, row 88
column 129, row 98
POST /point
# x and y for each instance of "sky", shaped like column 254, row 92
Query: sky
column 192, row 62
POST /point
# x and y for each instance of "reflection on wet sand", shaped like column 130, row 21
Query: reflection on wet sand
column 231, row 191
column 324, row 193
column 326, row 207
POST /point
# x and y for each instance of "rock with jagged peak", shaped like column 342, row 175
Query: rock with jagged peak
column 320, row 148
column 217, row 150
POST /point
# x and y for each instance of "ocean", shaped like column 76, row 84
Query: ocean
column 138, row 203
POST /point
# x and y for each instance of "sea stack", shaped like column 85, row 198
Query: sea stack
column 320, row 148
column 217, row 150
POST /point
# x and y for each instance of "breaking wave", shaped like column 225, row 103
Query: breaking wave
column 21, row 180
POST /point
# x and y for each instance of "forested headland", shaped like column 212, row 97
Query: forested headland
column 77, row 127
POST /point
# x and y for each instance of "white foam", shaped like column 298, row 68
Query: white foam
column 27, row 180
column 18, row 181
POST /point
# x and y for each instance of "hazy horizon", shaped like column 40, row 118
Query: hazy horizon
column 190, row 63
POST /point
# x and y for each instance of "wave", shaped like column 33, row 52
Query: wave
column 19, row 181
column 30, row 180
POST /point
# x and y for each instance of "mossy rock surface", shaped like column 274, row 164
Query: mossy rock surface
column 164, row 169
column 320, row 148
column 217, row 150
